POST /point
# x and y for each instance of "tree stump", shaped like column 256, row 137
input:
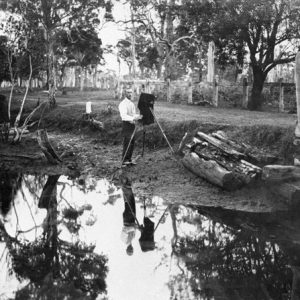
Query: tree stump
column 47, row 148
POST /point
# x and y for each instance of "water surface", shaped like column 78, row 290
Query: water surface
column 66, row 239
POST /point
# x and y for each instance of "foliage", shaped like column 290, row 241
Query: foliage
column 51, row 289
column 80, row 47
column 263, row 26
column 53, row 17
column 4, row 67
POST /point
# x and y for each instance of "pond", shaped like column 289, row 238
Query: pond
column 64, row 238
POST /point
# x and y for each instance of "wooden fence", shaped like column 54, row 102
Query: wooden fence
column 214, row 94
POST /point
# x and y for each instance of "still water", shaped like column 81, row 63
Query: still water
column 72, row 239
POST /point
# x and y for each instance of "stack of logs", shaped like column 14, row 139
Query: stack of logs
column 221, row 161
column 231, row 166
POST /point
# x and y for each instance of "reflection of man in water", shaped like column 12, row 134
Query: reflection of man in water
column 129, row 225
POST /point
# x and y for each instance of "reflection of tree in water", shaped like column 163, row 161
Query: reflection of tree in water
column 10, row 183
column 54, row 266
column 226, row 261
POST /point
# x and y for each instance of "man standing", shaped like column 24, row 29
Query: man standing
column 129, row 117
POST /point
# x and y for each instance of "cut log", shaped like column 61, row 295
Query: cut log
column 278, row 173
column 290, row 191
column 220, row 135
column 211, row 171
column 245, row 171
column 47, row 148
column 254, row 156
column 221, row 145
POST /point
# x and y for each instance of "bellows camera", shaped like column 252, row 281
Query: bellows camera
column 145, row 105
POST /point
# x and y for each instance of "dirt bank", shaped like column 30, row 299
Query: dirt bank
column 88, row 151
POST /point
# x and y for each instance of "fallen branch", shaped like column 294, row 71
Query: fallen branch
column 47, row 148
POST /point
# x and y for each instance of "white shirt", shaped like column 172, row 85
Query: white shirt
column 128, row 234
column 127, row 110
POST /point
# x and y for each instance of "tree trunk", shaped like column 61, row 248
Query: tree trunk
column 159, row 69
column 297, row 82
column 82, row 75
column 51, row 70
column 257, row 88
column 170, row 65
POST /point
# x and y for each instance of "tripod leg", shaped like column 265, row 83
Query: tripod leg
column 144, row 134
column 163, row 133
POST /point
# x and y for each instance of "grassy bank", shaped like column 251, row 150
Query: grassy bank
column 271, row 132
column 272, row 139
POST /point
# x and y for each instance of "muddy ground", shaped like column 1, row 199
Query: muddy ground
column 89, row 151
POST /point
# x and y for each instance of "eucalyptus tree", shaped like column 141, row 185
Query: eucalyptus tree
column 124, row 52
column 4, row 68
column 146, row 54
column 264, row 27
column 199, row 20
column 155, row 23
column 80, row 47
column 266, row 31
column 57, row 15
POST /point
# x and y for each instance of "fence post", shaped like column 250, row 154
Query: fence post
column 134, row 91
column 168, row 90
column 216, row 91
column 281, row 95
column 147, row 86
column 297, row 129
column 121, row 87
column 190, row 91
column 245, row 92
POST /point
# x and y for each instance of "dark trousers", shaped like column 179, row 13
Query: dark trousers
column 127, row 131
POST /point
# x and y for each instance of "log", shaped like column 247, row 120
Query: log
column 290, row 191
column 13, row 155
column 253, row 155
column 211, row 171
column 278, row 173
column 221, row 145
column 220, row 135
column 245, row 171
column 47, row 148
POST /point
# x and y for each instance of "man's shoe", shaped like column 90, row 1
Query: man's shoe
column 126, row 163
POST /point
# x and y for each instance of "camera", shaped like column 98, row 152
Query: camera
column 145, row 105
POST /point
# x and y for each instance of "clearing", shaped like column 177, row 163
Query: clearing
column 89, row 151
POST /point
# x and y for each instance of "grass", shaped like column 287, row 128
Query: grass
column 268, row 130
